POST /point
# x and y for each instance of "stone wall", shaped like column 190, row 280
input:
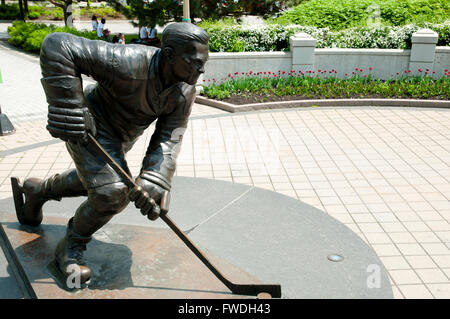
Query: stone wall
column 385, row 63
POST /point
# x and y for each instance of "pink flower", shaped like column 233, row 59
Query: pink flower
column 420, row 70
column 365, row 75
column 319, row 70
column 356, row 69
column 229, row 75
column 370, row 68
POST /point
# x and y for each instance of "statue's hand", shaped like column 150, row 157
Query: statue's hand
column 70, row 124
column 147, row 197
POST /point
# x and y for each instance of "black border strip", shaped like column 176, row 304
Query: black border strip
column 13, row 261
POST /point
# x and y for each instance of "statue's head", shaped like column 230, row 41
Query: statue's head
column 185, row 48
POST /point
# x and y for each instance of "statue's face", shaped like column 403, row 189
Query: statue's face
column 189, row 63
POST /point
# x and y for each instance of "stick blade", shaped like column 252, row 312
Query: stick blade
column 254, row 290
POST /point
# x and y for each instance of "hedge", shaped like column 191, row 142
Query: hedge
column 273, row 37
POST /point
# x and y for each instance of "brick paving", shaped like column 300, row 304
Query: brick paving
column 382, row 171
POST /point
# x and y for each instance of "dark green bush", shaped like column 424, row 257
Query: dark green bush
column 12, row 11
column 9, row 11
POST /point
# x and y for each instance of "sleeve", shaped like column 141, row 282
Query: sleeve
column 64, row 57
column 159, row 163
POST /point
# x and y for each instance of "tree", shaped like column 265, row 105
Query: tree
column 150, row 12
column 66, row 6
column 22, row 14
column 160, row 12
column 216, row 9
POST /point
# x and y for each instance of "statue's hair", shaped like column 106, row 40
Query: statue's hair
column 182, row 33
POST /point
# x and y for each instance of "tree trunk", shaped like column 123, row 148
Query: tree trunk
column 22, row 16
column 25, row 2
column 3, row 2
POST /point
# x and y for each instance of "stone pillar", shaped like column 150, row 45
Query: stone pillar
column 423, row 50
column 302, row 49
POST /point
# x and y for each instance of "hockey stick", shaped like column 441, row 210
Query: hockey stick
column 240, row 289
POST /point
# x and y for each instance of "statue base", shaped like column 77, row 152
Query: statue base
column 126, row 262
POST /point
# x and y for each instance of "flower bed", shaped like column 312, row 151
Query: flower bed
column 258, row 87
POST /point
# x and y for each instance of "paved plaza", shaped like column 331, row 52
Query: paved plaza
column 382, row 171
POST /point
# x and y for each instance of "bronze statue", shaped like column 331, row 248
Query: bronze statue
column 136, row 86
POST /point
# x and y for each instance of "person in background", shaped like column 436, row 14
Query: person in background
column 107, row 35
column 143, row 33
column 152, row 37
column 100, row 28
column 121, row 38
column 94, row 23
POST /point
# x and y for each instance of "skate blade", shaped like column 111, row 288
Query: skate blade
column 62, row 279
column 17, row 190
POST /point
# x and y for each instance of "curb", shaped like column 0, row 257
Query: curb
column 312, row 103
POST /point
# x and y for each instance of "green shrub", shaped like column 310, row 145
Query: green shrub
column 343, row 14
column 272, row 37
column 30, row 36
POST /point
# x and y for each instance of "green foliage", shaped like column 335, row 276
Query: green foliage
column 9, row 11
column 29, row 36
column 207, row 9
column 225, row 37
column 149, row 12
column 316, row 85
column 105, row 12
column 53, row 13
column 343, row 14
